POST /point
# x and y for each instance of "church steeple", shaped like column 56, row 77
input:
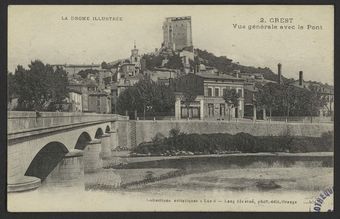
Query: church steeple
column 134, row 51
column 135, row 57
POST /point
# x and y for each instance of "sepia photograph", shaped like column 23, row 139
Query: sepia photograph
column 170, row 108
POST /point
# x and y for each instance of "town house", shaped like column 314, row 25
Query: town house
column 209, row 102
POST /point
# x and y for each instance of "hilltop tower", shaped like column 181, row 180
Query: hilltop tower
column 177, row 33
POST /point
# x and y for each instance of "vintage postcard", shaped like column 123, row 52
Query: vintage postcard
column 170, row 108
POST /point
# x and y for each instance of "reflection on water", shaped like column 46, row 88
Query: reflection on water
column 267, row 183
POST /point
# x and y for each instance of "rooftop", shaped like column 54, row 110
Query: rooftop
column 178, row 18
column 71, row 90
column 218, row 76
column 85, row 83
column 163, row 69
column 78, row 65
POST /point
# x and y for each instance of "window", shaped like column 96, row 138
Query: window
column 211, row 109
column 222, row 109
column 195, row 112
column 217, row 91
column 191, row 112
column 209, row 92
column 184, row 112
column 239, row 92
column 224, row 90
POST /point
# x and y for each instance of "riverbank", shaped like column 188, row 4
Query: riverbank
column 204, row 182
column 254, row 179
column 221, row 190
column 139, row 171
column 123, row 156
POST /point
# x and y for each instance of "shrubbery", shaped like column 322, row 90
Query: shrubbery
column 180, row 143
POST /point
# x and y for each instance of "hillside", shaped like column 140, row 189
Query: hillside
column 221, row 63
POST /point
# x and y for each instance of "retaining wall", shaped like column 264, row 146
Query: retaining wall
column 146, row 130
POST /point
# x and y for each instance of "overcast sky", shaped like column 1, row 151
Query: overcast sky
column 38, row 32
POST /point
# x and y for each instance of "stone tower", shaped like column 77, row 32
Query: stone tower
column 177, row 33
column 135, row 57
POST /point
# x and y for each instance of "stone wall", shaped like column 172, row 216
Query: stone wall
column 146, row 130
column 123, row 133
column 28, row 120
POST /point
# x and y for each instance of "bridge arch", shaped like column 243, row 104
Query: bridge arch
column 46, row 160
column 83, row 141
column 108, row 129
column 99, row 133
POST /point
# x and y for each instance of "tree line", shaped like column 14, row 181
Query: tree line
column 289, row 100
column 147, row 97
column 40, row 87
column 44, row 87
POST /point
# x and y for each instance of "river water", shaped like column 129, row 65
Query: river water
column 258, row 183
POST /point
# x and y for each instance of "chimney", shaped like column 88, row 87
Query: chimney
column 300, row 78
column 279, row 73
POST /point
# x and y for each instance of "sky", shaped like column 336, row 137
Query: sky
column 41, row 32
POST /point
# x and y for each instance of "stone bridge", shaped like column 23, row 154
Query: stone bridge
column 57, row 146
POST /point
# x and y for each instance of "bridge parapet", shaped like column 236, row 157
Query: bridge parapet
column 23, row 121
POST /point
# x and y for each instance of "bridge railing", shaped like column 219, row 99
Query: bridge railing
column 27, row 120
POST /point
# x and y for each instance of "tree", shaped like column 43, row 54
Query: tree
column 146, row 96
column 40, row 87
column 147, row 91
column 58, row 90
column 128, row 100
column 152, row 61
column 221, row 63
column 11, row 87
column 231, row 97
column 289, row 100
column 289, row 97
column 224, row 64
column 175, row 62
column 294, row 100
column 86, row 72
column 315, row 101
column 104, row 65
column 268, row 96
column 173, row 136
